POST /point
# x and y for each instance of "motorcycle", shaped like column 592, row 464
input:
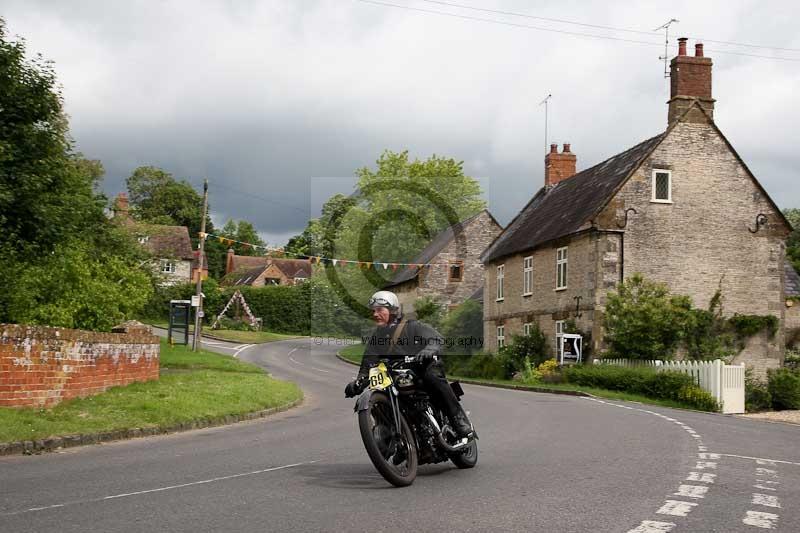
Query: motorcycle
column 402, row 428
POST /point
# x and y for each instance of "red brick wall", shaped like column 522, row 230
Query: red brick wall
column 41, row 366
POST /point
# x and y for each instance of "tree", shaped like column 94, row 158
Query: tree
column 62, row 262
column 644, row 321
column 242, row 231
column 156, row 197
column 793, row 242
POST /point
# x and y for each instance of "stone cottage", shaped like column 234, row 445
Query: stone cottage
column 457, row 271
column 792, row 293
column 173, row 259
column 680, row 208
column 259, row 271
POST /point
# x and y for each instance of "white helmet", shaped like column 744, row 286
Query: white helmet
column 386, row 299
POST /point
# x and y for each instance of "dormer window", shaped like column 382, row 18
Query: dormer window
column 662, row 186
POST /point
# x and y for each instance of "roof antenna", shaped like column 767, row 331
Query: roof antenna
column 546, row 102
column 665, row 57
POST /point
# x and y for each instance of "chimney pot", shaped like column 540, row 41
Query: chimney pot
column 566, row 148
column 698, row 50
column 553, row 148
column 682, row 46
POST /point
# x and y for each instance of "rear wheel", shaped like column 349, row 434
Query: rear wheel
column 395, row 458
column 467, row 458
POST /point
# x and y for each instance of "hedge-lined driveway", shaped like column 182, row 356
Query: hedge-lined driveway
column 547, row 463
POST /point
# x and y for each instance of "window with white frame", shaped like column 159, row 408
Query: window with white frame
column 662, row 186
column 527, row 276
column 168, row 266
column 559, row 334
column 526, row 328
column 501, row 336
column 561, row 268
column 500, row 279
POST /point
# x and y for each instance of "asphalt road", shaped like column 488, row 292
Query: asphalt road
column 547, row 463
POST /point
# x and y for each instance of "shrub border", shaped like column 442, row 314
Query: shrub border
column 51, row 444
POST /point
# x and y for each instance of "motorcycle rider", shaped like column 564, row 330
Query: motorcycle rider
column 414, row 339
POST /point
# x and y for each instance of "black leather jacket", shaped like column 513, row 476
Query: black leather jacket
column 417, row 338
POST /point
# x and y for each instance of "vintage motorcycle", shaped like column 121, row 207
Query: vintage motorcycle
column 402, row 428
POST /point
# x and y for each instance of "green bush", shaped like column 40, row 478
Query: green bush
column 643, row 380
column 533, row 347
column 487, row 366
column 784, row 386
column 756, row 393
column 428, row 310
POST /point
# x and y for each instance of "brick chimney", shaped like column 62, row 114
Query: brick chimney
column 229, row 261
column 690, row 80
column 558, row 167
column 121, row 208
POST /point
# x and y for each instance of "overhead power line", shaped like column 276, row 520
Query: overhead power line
column 628, row 30
column 552, row 30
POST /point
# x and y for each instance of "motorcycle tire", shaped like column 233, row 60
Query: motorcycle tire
column 380, row 410
column 467, row 458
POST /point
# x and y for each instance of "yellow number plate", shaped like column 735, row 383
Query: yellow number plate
column 379, row 377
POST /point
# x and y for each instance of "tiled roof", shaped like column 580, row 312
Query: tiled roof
column 248, row 262
column 569, row 204
column 792, row 289
column 292, row 269
column 165, row 241
column 439, row 242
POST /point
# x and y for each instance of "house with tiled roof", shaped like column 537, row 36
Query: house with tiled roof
column 170, row 246
column 260, row 271
column 456, row 271
column 681, row 208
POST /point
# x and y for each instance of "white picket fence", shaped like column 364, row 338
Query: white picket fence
column 724, row 382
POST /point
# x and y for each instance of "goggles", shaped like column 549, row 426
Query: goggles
column 379, row 302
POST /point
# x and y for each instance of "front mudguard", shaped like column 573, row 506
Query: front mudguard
column 362, row 404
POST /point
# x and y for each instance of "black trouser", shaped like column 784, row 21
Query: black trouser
column 436, row 383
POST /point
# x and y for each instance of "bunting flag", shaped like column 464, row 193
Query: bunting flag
column 320, row 260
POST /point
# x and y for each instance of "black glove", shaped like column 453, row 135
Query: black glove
column 427, row 355
column 353, row 388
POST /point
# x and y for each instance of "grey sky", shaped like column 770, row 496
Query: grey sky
column 268, row 98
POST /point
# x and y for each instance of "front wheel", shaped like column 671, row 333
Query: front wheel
column 395, row 458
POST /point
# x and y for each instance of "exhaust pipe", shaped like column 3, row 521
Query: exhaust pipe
column 440, row 438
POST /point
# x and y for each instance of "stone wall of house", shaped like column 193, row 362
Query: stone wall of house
column 182, row 274
column 546, row 305
column 792, row 324
column 41, row 366
column 435, row 282
column 700, row 242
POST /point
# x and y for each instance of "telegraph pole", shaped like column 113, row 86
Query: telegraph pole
column 198, row 314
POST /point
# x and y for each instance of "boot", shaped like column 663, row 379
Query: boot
column 461, row 423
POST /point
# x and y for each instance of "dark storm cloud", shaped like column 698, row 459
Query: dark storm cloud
column 267, row 99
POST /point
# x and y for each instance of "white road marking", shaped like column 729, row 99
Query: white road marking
column 766, row 472
column 161, row 489
column 702, row 448
column 701, row 477
column 692, row 491
column 762, row 487
column 295, row 361
column 676, row 508
column 769, row 482
column 766, row 499
column 768, row 462
column 708, row 455
column 243, row 347
column 702, row 465
column 762, row 520
column 651, row 526
column 773, row 461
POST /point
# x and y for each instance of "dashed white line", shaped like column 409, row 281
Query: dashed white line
column 767, row 500
column 767, row 472
column 692, row 491
column 676, row 508
column 295, row 361
column 762, row 520
column 702, row 477
column 767, row 461
column 651, row 526
column 702, row 465
column 241, row 348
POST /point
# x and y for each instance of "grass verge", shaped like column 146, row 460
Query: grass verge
column 193, row 385
column 354, row 353
column 234, row 335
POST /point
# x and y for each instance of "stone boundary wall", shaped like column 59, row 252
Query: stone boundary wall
column 41, row 366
